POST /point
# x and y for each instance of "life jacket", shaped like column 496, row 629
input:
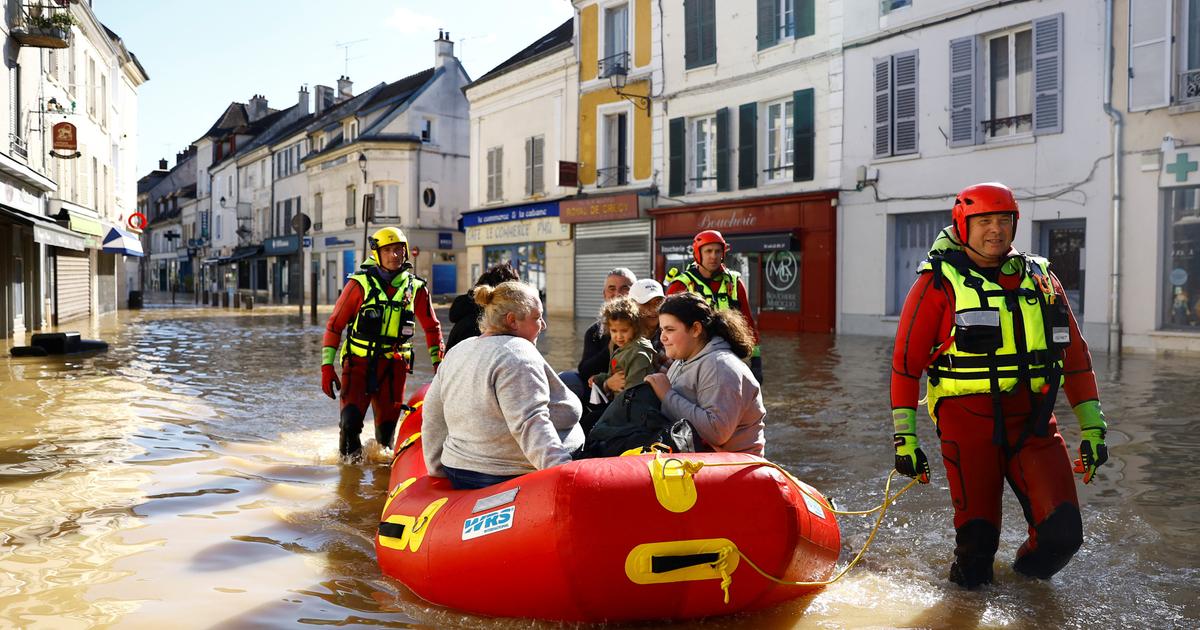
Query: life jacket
column 726, row 295
column 384, row 326
column 1000, row 338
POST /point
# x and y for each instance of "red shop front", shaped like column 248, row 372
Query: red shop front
column 783, row 246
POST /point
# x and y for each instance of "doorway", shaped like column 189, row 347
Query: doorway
column 1064, row 244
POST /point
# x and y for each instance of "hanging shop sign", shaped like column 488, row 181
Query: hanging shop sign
column 65, row 143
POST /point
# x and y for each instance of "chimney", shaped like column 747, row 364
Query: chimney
column 443, row 49
column 162, row 164
column 257, row 108
column 303, row 100
column 324, row 98
column 345, row 89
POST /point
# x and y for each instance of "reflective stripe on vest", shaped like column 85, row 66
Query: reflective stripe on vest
column 726, row 295
column 981, row 302
column 396, row 317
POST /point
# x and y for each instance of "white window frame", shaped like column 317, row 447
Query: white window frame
column 783, row 173
column 602, row 40
column 603, row 112
column 785, row 12
column 706, row 180
column 888, row 6
column 1182, row 62
column 1013, row 131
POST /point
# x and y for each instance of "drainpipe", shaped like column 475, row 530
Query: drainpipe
column 1114, row 316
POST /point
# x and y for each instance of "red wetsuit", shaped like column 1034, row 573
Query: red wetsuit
column 1039, row 470
column 390, row 373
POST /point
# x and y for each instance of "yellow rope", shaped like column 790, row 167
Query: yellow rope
column 692, row 467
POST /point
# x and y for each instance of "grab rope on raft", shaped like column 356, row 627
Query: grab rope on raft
column 690, row 467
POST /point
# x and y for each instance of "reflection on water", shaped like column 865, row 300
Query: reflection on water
column 188, row 478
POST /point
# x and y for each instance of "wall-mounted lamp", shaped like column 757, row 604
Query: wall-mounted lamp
column 618, row 76
column 222, row 202
column 362, row 165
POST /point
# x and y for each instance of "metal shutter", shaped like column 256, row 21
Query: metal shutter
column 73, row 287
column 602, row 247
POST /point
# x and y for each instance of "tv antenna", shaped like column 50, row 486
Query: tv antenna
column 345, row 46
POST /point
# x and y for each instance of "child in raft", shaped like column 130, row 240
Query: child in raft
column 630, row 352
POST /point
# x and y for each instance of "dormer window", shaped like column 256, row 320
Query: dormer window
column 351, row 130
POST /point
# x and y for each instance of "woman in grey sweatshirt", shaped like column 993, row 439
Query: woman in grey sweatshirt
column 496, row 409
column 708, row 384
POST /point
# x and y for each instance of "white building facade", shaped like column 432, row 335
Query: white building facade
column 942, row 95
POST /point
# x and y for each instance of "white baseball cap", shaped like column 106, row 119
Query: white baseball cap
column 645, row 290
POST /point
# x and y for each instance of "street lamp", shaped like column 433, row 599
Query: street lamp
column 617, row 78
column 362, row 166
column 222, row 202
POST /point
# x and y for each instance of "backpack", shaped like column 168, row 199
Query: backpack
column 635, row 420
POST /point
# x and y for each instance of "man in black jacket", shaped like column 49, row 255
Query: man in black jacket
column 595, row 341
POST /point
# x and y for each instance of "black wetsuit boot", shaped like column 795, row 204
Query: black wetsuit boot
column 350, row 426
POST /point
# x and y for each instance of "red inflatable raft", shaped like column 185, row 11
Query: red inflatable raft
column 615, row 539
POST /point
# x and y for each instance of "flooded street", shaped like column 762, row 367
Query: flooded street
column 188, row 478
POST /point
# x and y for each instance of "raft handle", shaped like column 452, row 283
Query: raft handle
column 666, row 564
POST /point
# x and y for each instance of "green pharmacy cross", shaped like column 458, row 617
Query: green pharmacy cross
column 1182, row 167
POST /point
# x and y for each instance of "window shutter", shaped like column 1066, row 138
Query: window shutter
column 805, row 12
column 747, row 146
column 1149, row 54
column 1048, row 74
column 883, row 107
column 678, row 166
column 964, row 90
column 528, row 166
column 491, row 170
column 768, row 24
column 708, row 31
column 691, row 33
column 803, row 136
column 724, row 172
column 500, row 173
column 904, row 67
column 539, row 153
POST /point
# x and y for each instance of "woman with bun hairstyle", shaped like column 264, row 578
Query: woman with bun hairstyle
column 496, row 410
column 708, row 384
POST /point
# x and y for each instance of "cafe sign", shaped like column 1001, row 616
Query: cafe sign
column 65, row 143
column 527, row 231
column 595, row 209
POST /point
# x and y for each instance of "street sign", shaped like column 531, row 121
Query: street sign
column 307, row 241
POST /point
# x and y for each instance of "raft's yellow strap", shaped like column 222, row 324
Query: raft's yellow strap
column 695, row 466
column 722, row 567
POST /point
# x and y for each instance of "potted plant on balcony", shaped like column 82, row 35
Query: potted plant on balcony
column 46, row 31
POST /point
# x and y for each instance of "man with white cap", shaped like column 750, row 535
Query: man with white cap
column 648, row 293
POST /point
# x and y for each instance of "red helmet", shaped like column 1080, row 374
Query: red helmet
column 979, row 199
column 707, row 237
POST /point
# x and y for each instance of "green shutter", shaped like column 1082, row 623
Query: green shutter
column 748, row 146
column 708, row 32
column 724, row 170
column 678, row 165
column 806, row 17
column 768, row 28
column 803, row 136
column 691, row 34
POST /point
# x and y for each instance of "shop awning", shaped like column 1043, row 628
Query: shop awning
column 83, row 224
column 241, row 253
column 46, row 231
column 119, row 241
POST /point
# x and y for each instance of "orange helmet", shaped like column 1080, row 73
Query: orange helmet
column 979, row 199
column 707, row 237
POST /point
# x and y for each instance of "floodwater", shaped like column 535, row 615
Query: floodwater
column 188, row 478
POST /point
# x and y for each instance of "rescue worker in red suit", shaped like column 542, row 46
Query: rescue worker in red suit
column 378, row 304
column 720, row 286
column 994, row 332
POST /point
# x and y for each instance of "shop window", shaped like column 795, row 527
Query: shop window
column 529, row 259
column 912, row 234
column 1182, row 272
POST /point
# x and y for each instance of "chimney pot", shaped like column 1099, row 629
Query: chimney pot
column 162, row 164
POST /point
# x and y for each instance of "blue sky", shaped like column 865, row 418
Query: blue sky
column 205, row 53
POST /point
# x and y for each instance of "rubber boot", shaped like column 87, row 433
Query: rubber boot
column 1053, row 543
column 385, row 432
column 350, row 426
column 975, row 552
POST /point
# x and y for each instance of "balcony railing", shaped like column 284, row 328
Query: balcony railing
column 1189, row 86
column 990, row 127
column 18, row 146
column 612, row 176
column 614, row 64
